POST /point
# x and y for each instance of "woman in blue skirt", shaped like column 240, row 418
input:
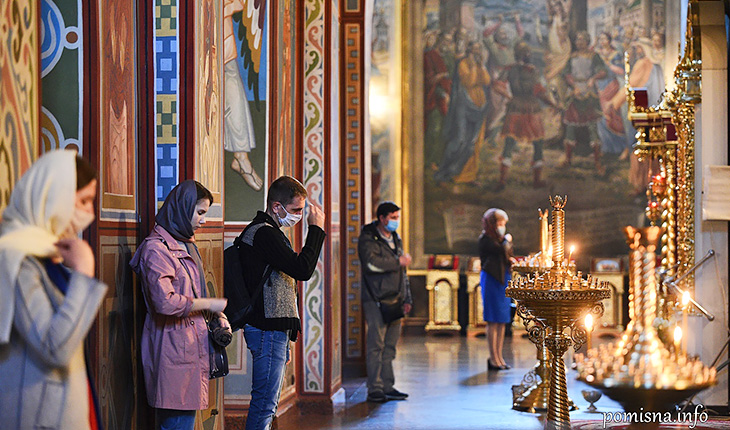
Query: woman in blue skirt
column 495, row 252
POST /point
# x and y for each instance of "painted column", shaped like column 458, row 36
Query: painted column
column 19, row 98
column 354, row 179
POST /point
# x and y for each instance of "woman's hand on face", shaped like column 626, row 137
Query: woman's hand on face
column 77, row 255
column 508, row 237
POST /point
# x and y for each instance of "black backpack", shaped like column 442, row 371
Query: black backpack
column 240, row 302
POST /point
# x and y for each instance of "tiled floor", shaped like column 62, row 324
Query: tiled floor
column 449, row 388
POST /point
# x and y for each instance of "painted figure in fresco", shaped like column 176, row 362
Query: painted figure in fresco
column 238, row 131
column 611, row 126
column 175, row 332
column 50, row 297
column 584, row 109
column 523, row 122
column 500, row 48
column 463, row 129
column 266, row 251
column 384, row 276
column 437, row 84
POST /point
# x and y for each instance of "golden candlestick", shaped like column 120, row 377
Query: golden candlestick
column 551, row 302
column 558, row 203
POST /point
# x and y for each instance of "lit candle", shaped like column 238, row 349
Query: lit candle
column 589, row 328
column 570, row 255
column 544, row 234
column 685, row 311
column 677, row 338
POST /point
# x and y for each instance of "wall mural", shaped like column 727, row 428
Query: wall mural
column 524, row 99
column 245, row 59
column 62, row 75
column 208, row 100
column 118, row 105
column 19, row 95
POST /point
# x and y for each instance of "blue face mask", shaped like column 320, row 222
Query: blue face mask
column 392, row 225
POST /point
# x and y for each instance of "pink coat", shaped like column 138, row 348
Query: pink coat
column 174, row 342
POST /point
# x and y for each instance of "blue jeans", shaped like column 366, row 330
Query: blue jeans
column 173, row 419
column 270, row 352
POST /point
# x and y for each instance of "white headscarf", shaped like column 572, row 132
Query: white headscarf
column 40, row 210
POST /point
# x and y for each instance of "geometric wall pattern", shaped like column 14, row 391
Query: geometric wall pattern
column 354, row 210
column 166, row 97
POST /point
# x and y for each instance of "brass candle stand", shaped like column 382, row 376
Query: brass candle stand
column 531, row 395
column 640, row 372
column 552, row 302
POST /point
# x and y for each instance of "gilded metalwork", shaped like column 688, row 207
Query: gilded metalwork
column 640, row 371
column 667, row 132
column 552, row 302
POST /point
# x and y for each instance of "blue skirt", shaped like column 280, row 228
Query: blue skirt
column 496, row 304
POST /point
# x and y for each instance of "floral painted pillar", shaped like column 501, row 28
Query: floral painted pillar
column 318, row 373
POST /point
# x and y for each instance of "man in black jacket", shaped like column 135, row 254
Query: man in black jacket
column 275, row 319
column 383, row 266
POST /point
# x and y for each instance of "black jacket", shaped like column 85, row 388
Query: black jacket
column 272, row 247
column 381, row 269
column 495, row 256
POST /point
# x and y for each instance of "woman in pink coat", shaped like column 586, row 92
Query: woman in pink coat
column 174, row 344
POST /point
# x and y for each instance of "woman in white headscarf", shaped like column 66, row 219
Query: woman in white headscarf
column 49, row 297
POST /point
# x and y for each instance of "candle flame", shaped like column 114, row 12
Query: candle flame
column 685, row 299
column 572, row 248
column 589, row 322
column 677, row 334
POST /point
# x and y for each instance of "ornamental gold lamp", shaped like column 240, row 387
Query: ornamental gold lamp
column 551, row 302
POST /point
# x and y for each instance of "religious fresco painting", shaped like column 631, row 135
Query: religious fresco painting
column 524, row 99
column 245, row 130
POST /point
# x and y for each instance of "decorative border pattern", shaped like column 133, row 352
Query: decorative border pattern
column 19, row 100
column 314, row 64
column 167, row 63
column 354, row 187
column 58, row 39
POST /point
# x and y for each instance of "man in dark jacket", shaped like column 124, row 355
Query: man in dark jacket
column 383, row 266
column 275, row 318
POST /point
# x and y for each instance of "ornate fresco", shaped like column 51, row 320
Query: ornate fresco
column 62, row 75
column 19, row 101
column 313, row 179
column 524, row 99
column 245, row 86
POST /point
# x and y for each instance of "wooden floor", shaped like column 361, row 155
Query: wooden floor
column 449, row 388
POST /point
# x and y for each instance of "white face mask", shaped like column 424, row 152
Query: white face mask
column 289, row 220
column 79, row 221
column 501, row 230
